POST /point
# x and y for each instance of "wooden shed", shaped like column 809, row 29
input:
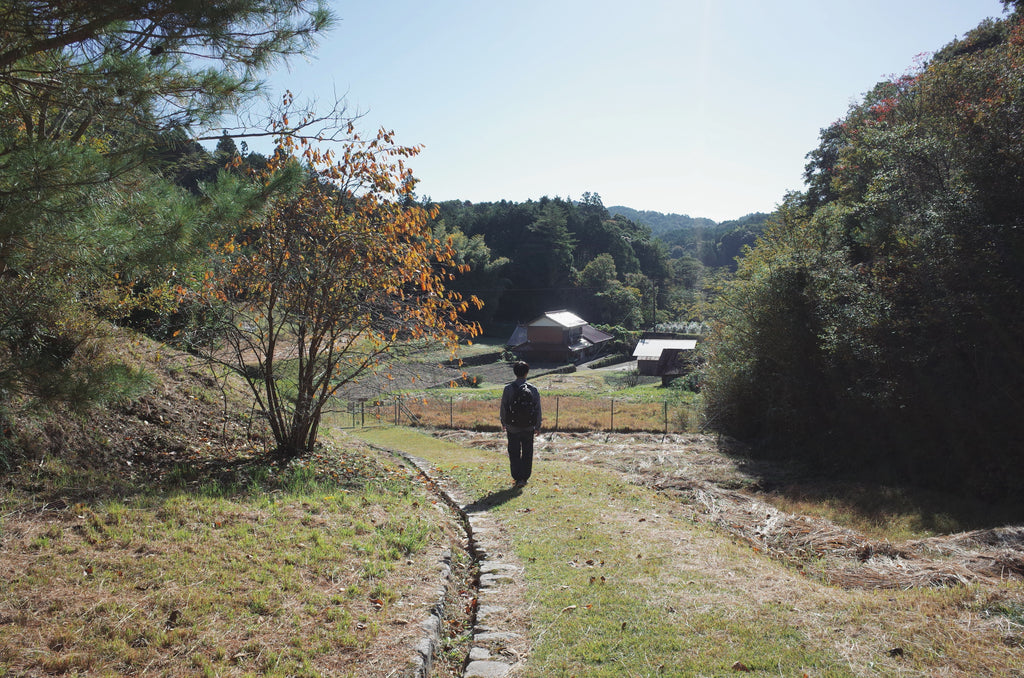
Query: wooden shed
column 663, row 357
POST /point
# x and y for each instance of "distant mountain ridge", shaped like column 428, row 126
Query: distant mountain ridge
column 659, row 222
column 712, row 243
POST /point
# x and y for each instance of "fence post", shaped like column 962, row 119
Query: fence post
column 613, row 415
column 451, row 412
column 362, row 413
column 556, row 411
column 665, row 412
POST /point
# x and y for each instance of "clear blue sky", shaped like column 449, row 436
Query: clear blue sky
column 699, row 107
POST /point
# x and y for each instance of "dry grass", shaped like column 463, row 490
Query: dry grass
column 722, row 489
column 627, row 579
column 154, row 538
column 314, row 578
column 561, row 413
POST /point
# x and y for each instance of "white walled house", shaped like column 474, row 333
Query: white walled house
column 557, row 336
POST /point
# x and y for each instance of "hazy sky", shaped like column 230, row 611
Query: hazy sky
column 699, row 107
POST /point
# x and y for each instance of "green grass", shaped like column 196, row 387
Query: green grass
column 281, row 577
column 605, row 596
column 433, row 351
column 622, row 582
column 619, row 590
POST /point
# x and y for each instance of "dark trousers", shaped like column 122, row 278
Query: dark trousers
column 520, row 454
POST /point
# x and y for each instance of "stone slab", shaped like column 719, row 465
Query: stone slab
column 495, row 636
column 486, row 669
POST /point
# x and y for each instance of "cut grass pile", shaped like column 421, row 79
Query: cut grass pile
column 622, row 581
column 326, row 568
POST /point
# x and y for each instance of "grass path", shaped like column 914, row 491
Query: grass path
column 623, row 582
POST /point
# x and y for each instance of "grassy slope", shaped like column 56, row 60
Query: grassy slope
column 148, row 538
column 622, row 581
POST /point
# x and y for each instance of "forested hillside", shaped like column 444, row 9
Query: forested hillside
column 607, row 264
column 718, row 246
column 536, row 256
column 878, row 326
column 662, row 223
column 713, row 244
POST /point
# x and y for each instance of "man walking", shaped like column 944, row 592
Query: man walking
column 520, row 419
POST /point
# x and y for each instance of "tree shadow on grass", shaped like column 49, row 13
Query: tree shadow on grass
column 489, row 501
column 875, row 495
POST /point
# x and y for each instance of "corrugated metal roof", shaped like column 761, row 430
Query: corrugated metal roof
column 650, row 349
column 563, row 318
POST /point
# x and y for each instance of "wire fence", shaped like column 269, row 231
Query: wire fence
column 560, row 413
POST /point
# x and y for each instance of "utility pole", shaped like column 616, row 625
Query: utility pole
column 654, row 307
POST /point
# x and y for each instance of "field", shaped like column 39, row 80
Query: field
column 584, row 400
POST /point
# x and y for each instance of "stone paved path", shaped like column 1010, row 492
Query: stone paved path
column 500, row 643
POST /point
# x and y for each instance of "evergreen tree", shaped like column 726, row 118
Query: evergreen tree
column 879, row 321
column 88, row 91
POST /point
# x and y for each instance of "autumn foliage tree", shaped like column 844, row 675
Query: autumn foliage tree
column 341, row 270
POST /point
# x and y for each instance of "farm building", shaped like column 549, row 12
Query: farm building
column 557, row 336
column 661, row 356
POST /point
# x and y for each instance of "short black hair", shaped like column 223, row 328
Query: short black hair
column 520, row 368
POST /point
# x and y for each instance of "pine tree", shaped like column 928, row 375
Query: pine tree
column 87, row 90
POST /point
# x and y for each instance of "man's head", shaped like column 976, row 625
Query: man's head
column 520, row 369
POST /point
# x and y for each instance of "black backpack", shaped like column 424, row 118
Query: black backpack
column 522, row 409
